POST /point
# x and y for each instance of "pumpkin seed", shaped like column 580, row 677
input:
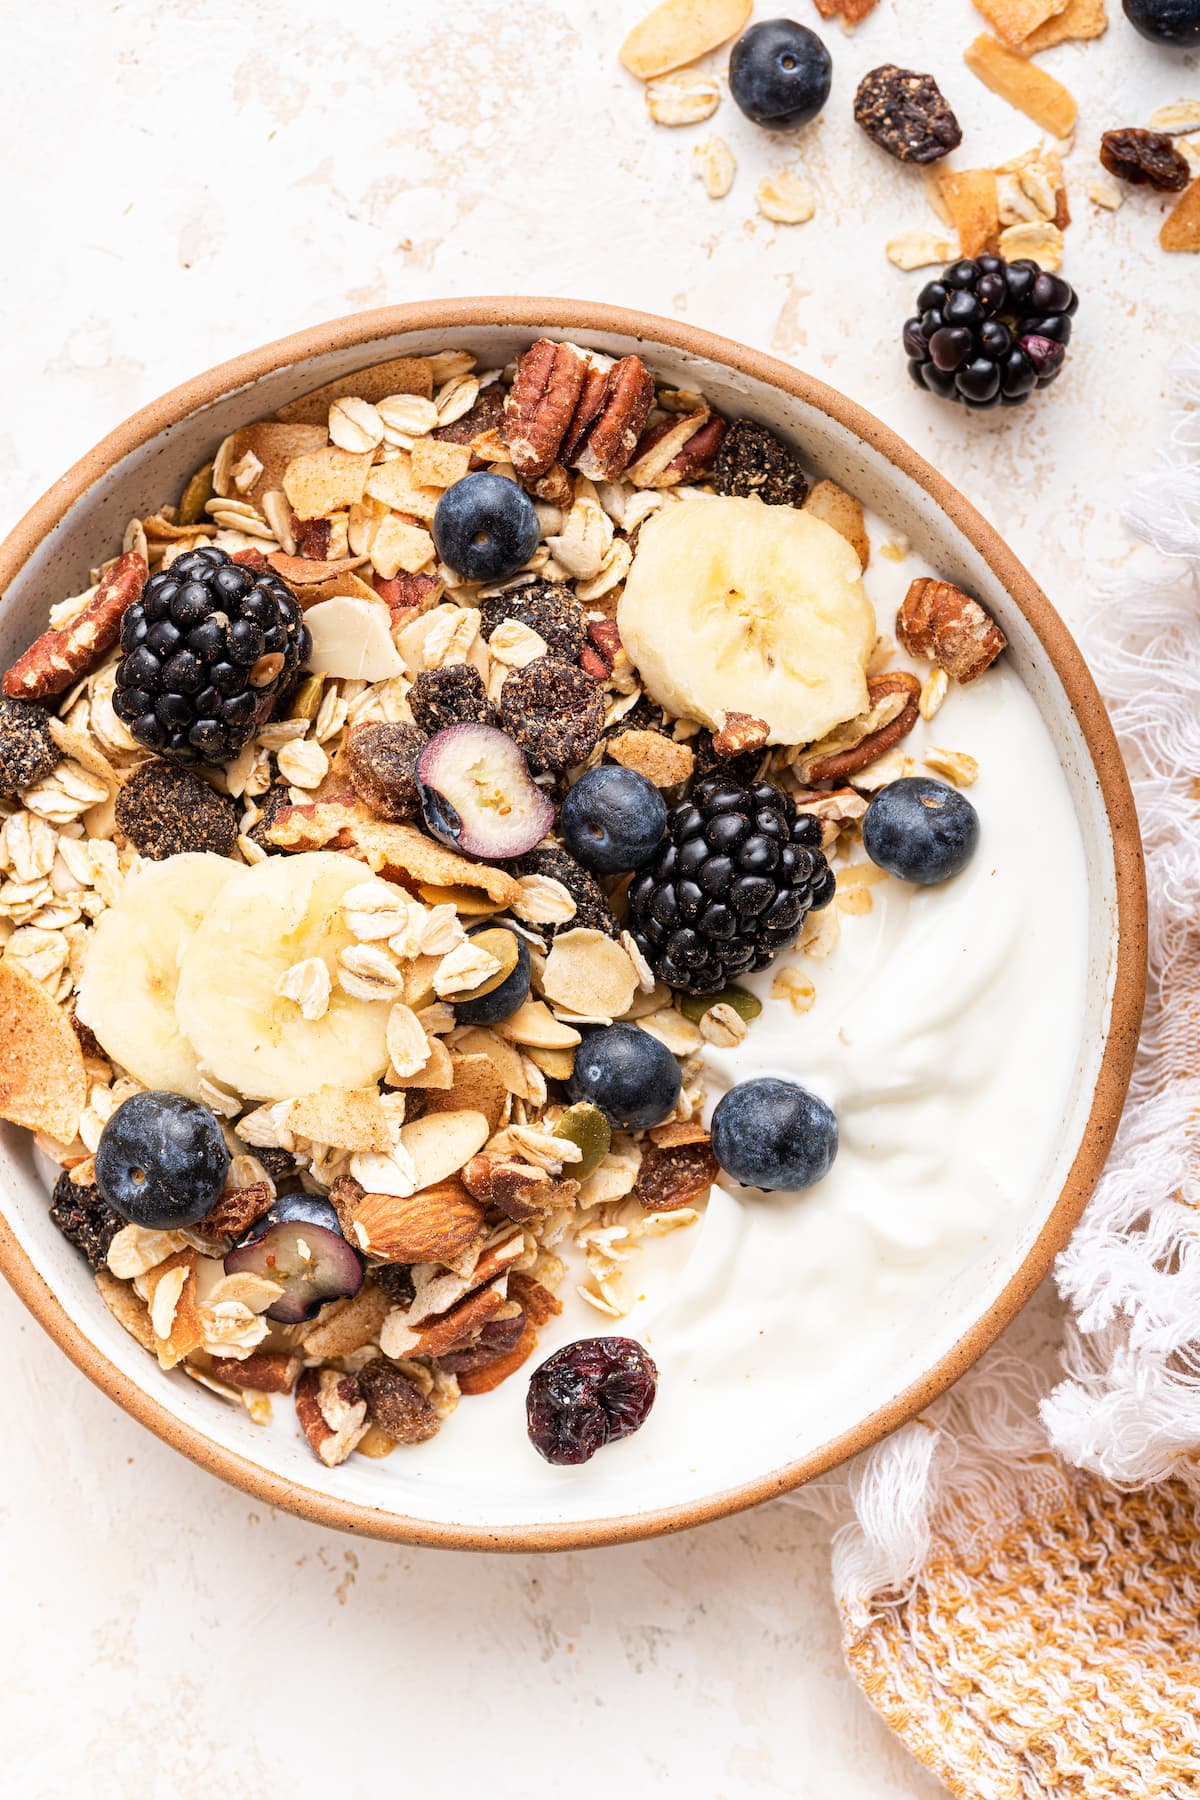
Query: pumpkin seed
column 306, row 701
column 745, row 1004
column 586, row 1126
column 503, row 946
column 196, row 496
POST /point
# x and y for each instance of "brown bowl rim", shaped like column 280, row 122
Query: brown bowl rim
column 584, row 317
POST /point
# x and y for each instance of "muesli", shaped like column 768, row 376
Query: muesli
column 390, row 832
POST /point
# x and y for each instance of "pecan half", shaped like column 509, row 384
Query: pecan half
column 407, row 596
column 937, row 620
column 269, row 1371
column 658, row 447
column 587, row 411
column 697, row 455
column 739, row 733
column 495, row 1340
column 312, row 537
column 516, row 1189
column 893, row 698
column 613, row 435
column 535, row 1300
column 541, row 404
column 58, row 658
column 484, row 1377
column 332, row 1413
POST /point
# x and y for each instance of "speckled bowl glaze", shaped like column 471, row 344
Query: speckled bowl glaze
column 83, row 516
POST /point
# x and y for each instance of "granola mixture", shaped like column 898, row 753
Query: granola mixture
column 334, row 927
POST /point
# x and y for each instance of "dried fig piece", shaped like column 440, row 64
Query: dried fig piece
column 906, row 114
column 553, row 711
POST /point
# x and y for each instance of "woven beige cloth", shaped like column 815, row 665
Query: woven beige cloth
column 1062, row 1658
column 1019, row 1571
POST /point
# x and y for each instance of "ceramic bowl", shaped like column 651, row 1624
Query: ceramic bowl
column 84, row 514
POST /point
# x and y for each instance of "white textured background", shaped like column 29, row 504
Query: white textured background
column 190, row 179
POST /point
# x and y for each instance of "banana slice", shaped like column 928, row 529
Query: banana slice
column 245, row 1035
column 127, row 994
column 733, row 606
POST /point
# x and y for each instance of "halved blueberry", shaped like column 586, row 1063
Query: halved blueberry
column 299, row 1243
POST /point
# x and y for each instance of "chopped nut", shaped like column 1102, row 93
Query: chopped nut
column 933, row 692
column 937, row 620
column 332, row 1413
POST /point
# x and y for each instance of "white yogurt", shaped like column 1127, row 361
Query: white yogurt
column 946, row 1035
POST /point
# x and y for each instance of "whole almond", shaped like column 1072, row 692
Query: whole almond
column 438, row 1224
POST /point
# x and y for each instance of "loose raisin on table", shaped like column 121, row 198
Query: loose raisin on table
column 906, row 114
column 589, row 1394
column 1144, row 159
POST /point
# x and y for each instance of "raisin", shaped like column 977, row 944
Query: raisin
column 589, row 1394
column 84, row 1219
column 454, row 695
column 27, row 749
column 396, row 1280
column 381, row 762
column 752, row 460
column 674, row 1175
column 164, row 810
column 1144, row 159
column 270, row 805
column 486, row 415
column 906, row 114
column 553, row 711
column 547, row 607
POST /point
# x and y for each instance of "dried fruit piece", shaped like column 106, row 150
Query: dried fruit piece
column 553, row 711
column 81, row 1213
column 163, row 810
column 678, row 31
column 589, row 1394
column 547, row 607
column 1144, row 159
column 673, row 1175
column 28, row 751
column 752, row 460
column 454, row 695
column 1014, row 20
column 906, row 114
column 1023, row 84
column 1181, row 227
column 971, row 197
column 381, row 762
column 43, row 1085
column 1078, row 19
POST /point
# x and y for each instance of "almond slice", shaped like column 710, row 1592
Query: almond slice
column 590, row 973
column 442, row 1142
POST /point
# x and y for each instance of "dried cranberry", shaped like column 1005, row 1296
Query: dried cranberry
column 587, row 1395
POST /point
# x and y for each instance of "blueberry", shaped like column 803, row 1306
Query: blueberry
column 1173, row 22
column 920, row 829
column 299, row 1243
column 503, row 1001
column 161, row 1161
column 629, row 1075
column 780, row 73
column 773, row 1134
column 612, row 820
column 485, row 527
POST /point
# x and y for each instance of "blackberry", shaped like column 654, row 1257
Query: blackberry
column 206, row 652
column 733, row 881
column 988, row 333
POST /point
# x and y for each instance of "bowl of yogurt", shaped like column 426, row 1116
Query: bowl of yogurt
column 973, row 1039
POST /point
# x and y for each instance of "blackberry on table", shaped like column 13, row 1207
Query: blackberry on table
column 752, row 460
column 988, row 332
column 27, row 750
column 547, row 607
column 553, row 711
column 85, row 1219
column 163, row 810
column 207, row 651
column 733, row 881
column 591, row 907
column 454, row 695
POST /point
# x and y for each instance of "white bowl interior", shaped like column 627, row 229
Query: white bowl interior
column 470, row 1491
